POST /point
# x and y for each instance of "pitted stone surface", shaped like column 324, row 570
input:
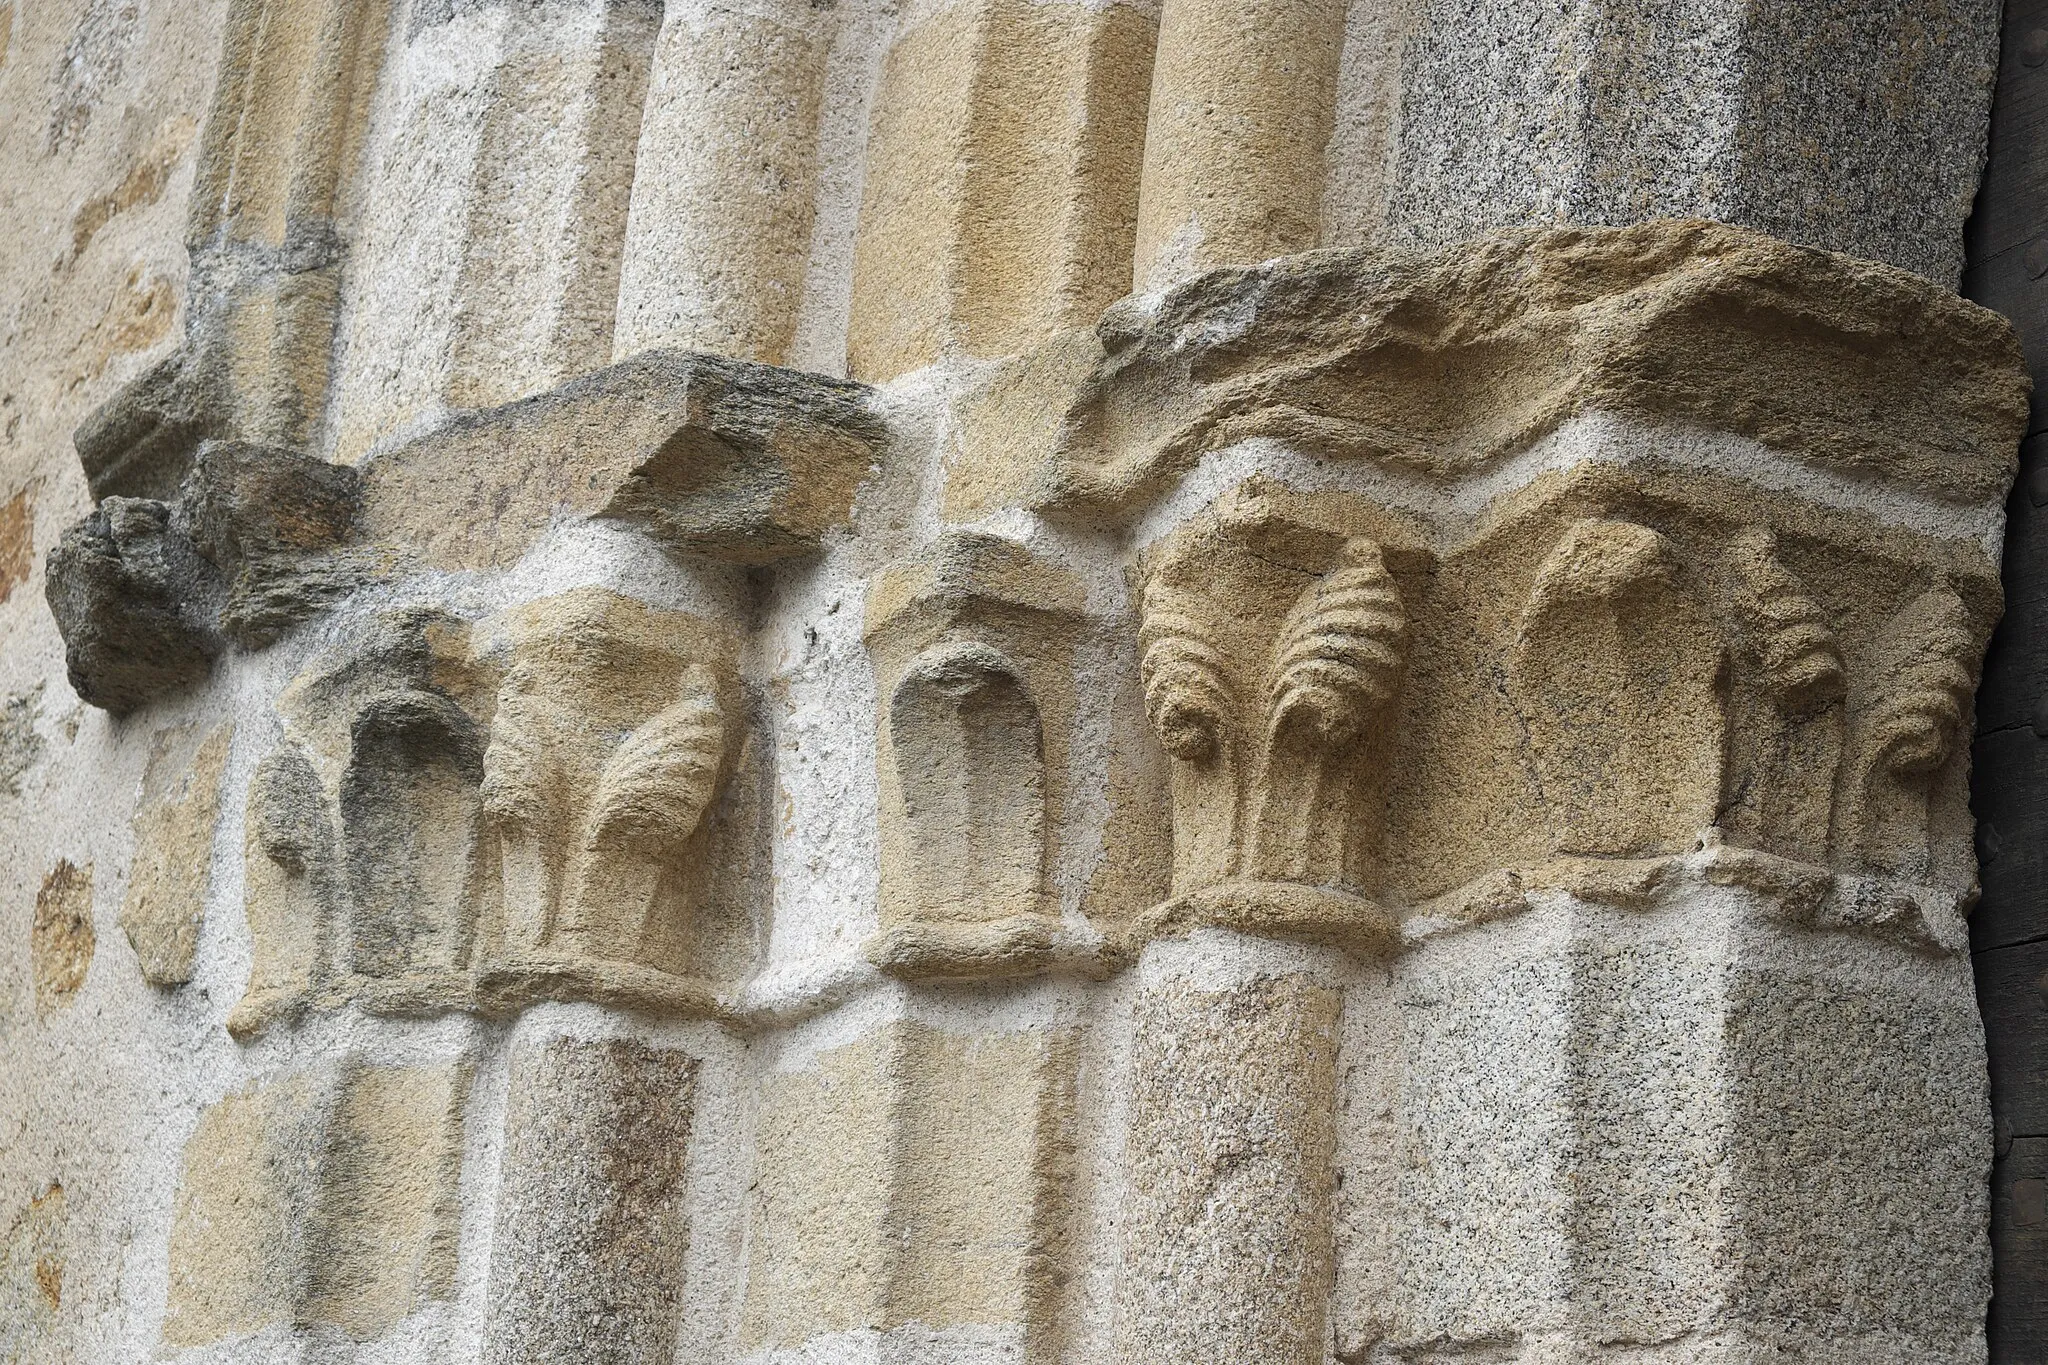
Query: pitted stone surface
column 588, row 1256
column 1226, row 1244
column 1858, row 127
column 174, row 828
column 1404, row 803
column 60, row 951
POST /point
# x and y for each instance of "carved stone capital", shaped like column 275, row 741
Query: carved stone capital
column 1579, row 630
column 976, row 646
column 614, row 730
column 1273, row 646
column 539, row 806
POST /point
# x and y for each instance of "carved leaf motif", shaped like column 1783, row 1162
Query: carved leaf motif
column 518, row 768
column 1600, row 561
column 1338, row 658
column 1187, row 694
column 1788, row 630
column 659, row 783
column 1617, row 672
column 1914, row 729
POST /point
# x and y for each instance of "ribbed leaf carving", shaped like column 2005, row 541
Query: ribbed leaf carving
column 1788, row 630
column 1914, row 728
column 518, row 767
column 1338, row 658
column 1187, row 694
column 658, row 784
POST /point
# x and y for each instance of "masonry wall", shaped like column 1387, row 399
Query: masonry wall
column 777, row 682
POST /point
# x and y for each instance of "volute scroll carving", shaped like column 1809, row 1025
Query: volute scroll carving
column 1606, row 687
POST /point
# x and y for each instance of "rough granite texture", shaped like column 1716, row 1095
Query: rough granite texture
column 1854, row 125
column 647, row 715
column 589, row 1246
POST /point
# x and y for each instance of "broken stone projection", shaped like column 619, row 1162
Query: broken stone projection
column 953, row 682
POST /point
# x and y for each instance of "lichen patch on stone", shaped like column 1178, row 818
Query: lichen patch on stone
column 20, row 746
column 61, row 939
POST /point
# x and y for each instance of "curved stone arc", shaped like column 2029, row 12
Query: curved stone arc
column 970, row 761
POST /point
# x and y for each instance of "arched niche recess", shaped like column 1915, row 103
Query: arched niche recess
column 409, row 810
column 969, row 758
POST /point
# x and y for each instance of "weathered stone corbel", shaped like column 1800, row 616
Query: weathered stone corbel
column 148, row 594
column 744, row 463
column 975, row 646
column 615, row 730
column 141, row 442
column 735, row 461
column 274, row 524
column 136, row 603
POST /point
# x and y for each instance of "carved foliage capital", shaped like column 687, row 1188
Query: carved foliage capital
column 1274, row 639
column 1609, row 676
